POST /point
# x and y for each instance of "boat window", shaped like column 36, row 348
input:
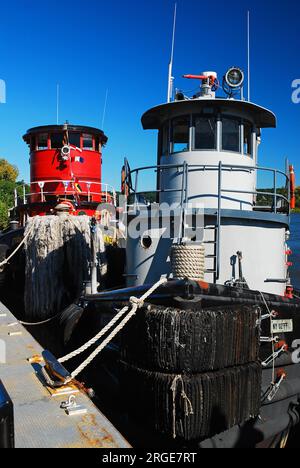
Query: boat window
column 57, row 140
column 231, row 135
column 205, row 133
column 165, row 142
column 87, row 142
column 74, row 139
column 247, row 139
column 180, row 138
column 43, row 141
column 32, row 143
column 97, row 144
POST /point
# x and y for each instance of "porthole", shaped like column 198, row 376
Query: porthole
column 146, row 242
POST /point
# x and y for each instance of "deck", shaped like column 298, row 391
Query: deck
column 39, row 420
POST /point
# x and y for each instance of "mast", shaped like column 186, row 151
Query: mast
column 170, row 77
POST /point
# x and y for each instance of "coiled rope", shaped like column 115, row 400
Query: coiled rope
column 135, row 304
column 188, row 261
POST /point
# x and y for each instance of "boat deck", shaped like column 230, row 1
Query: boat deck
column 39, row 420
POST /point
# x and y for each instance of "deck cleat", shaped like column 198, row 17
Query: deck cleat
column 281, row 377
column 280, row 347
column 55, row 374
column 72, row 408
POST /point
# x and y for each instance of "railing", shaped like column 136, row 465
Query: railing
column 221, row 168
column 186, row 169
column 106, row 192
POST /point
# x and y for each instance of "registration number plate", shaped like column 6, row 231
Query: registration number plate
column 282, row 326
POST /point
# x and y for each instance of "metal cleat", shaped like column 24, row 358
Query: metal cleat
column 281, row 375
column 55, row 374
column 267, row 339
column 283, row 347
column 71, row 407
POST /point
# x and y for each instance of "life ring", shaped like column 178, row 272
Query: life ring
column 68, row 204
column 292, row 188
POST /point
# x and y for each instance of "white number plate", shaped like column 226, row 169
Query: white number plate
column 282, row 326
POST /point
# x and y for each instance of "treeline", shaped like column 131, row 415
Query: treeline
column 8, row 184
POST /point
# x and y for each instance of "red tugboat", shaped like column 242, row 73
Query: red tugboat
column 65, row 179
column 65, row 166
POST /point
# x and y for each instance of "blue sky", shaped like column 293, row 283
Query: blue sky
column 124, row 46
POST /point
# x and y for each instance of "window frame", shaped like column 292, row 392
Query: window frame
column 239, row 122
column 188, row 117
column 83, row 137
column 38, row 148
column 193, row 136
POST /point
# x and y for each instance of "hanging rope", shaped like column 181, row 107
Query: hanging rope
column 272, row 335
column 135, row 305
column 188, row 407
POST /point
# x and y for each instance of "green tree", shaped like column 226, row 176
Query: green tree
column 8, row 171
column 8, row 183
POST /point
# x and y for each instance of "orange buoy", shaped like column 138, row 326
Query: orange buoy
column 292, row 188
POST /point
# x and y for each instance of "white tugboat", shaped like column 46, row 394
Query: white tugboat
column 215, row 352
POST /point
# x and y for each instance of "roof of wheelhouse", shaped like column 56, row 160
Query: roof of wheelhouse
column 157, row 116
column 60, row 128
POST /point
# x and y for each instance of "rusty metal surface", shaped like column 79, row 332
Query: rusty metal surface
column 39, row 420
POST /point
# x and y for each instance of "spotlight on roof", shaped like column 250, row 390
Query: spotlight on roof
column 235, row 77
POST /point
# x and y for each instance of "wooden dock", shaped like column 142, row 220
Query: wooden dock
column 39, row 420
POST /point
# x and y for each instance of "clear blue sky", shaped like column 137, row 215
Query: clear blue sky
column 89, row 46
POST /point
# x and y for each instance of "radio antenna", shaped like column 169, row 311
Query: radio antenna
column 170, row 77
column 57, row 103
column 104, row 109
column 249, row 51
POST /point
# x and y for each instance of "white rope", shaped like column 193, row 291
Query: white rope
column 188, row 261
column 272, row 335
column 135, row 305
column 7, row 260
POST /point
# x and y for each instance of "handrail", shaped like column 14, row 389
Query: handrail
column 68, row 189
column 223, row 167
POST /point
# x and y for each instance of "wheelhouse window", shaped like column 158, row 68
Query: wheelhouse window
column 166, row 140
column 97, row 144
column 247, row 139
column 74, row 139
column 32, row 143
column 231, row 135
column 42, row 141
column 205, row 133
column 57, row 140
column 180, row 135
column 87, row 142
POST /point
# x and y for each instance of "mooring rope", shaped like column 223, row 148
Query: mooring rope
column 135, row 305
column 7, row 260
column 44, row 322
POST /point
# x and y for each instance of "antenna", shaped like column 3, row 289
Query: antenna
column 104, row 109
column 249, row 65
column 170, row 77
column 57, row 103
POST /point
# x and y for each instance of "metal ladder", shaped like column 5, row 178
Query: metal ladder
column 216, row 228
column 215, row 255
